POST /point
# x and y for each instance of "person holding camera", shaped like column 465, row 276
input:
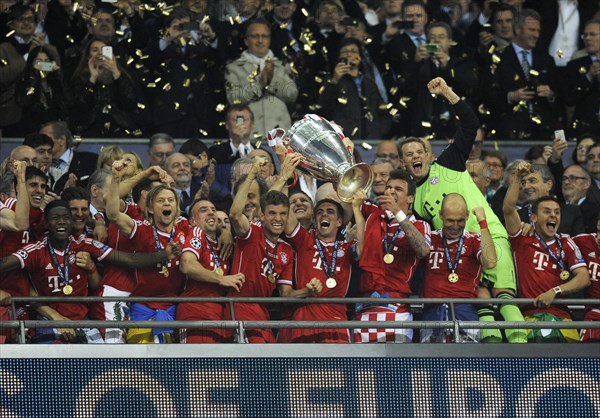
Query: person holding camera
column 351, row 98
column 523, row 98
column 430, row 116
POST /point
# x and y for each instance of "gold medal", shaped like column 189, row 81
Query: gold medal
column 165, row 271
column 271, row 277
column 564, row 275
column 219, row 271
column 331, row 283
column 68, row 289
column 453, row 277
column 388, row 258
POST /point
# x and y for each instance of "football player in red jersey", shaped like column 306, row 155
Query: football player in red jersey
column 260, row 254
column 207, row 270
column 162, row 226
column 58, row 266
column 590, row 249
column 395, row 243
column 548, row 264
column 454, row 268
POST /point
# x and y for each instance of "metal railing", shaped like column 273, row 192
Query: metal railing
column 241, row 325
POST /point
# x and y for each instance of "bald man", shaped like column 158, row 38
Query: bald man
column 454, row 268
column 388, row 150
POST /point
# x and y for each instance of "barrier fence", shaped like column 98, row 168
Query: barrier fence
column 241, row 325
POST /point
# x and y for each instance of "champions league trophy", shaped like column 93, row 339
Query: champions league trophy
column 326, row 157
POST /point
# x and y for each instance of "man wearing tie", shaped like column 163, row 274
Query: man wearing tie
column 239, row 122
column 179, row 167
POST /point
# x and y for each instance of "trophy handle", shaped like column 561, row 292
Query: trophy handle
column 357, row 177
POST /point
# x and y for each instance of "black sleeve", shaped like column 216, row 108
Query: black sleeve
column 456, row 154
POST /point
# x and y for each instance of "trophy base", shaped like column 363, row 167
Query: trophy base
column 358, row 177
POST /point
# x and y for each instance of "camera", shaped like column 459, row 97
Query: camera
column 488, row 28
column 46, row 66
column 432, row 48
column 344, row 60
column 404, row 25
column 189, row 26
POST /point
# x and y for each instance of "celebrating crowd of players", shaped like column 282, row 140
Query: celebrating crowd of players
column 431, row 226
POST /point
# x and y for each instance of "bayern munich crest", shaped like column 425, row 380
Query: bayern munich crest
column 341, row 252
column 283, row 258
column 182, row 239
column 72, row 258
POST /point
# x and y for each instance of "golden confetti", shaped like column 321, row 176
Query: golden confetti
column 130, row 61
column 185, row 67
column 536, row 119
column 425, row 124
column 318, row 80
column 167, row 87
column 176, row 105
column 560, row 53
column 393, row 111
column 257, row 144
column 220, row 107
column 186, row 82
column 151, row 85
column 517, row 77
column 137, row 132
column 304, row 12
column 119, row 33
column 393, row 91
column 203, row 132
column 534, row 73
column 157, row 80
column 582, row 70
column 9, row 34
column 354, row 131
column 30, row 91
column 257, row 135
column 492, row 48
column 496, row 59
column 366, row 146
column 141, row 105
column 369, row 116
column 342, row 100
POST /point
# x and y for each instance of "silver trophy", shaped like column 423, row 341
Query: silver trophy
column 327, row 158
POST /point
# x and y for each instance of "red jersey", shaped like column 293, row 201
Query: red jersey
column 251, row 257
column 151, row 281
column 436, row 283
column 204, row 249
column 17, row 282
column 310, row 265
column 119, row 277
column 590, row 250
column 36, row 259
column 538, row 272
column 396, row 279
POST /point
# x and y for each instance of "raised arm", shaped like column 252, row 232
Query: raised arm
column 512, row 219
column 137, row 260
column 153, row 173
column 488, row 251
column 288, row 168
column 113, row 202
column 357, row 200
column 22, row 207
column 239, row 221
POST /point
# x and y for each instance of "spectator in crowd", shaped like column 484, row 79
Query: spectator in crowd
column 104, row 96
column 239, row 122
column 202, row 168
column 179, row 167
column 381, row 169
column 582, row 79
column 20, row 153
column 43, row 146
column 578, row 190
column 160, row 147
column 41, row 93
column 66, row 161
column 207, row 271
column 539, row 182
column 388, row 149
column 454, row 268
column 13, row 54
column 436, row 59
column 223, row 222
column 393, row 247
column 285, row 32
column 590, row 249
column 482, row 21
column 108, row 155
column 584, row 142
column 186, row 49
column 524, row 103
column 162, row 226
column 261, row 81
column 497, row 162
column 548, row 263
column 259, row 255
column 480, row 174
column 493, row 39
column 430, row 192
column 351, row 98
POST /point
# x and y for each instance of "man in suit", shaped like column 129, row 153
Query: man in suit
column 65, row 160
column 179, row 167
column 523, row 98
column 583, row 83
column 239, row 123
column 578, row 189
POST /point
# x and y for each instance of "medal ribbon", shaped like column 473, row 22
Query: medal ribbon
column 389, row 245
column 62, row 274
column 157, row 243
column 214, row 254
column 270, row 269
column 453, row 265
column 329, row 270
column 556, row 257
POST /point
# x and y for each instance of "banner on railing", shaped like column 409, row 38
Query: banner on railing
column 300, row 387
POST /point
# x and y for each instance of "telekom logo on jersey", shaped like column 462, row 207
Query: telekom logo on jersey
column 54, row 283
column 436, row 258
column 540, row 261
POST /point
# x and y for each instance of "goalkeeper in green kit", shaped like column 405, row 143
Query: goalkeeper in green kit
column 447, row 174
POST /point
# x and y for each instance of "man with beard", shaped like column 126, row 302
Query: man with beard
column 448, row 174
column 162, row 225
column 207, row 270
column 548, row 263
column 263, row 258
column 393, row 247
column 58, row 266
